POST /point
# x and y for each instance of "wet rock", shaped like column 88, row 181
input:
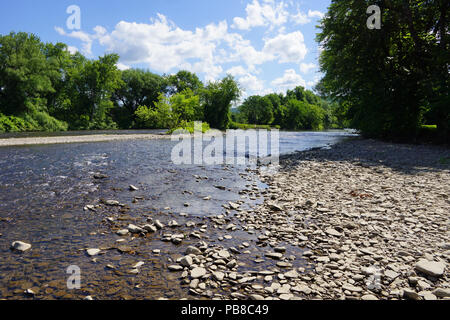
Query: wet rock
column 93, row 252
column 133, row 188
column 218, row 275
column 224, row 254
column 100, row 176
column 122, row 232
column 274, row 255
column 150, row 228
column 198, row 272
column 175, row 267
column 134, row 229
column 158, row 224
column 20, row 246
column 193, row 250
column 113, row 203
column 173, row 224
column 186, row 261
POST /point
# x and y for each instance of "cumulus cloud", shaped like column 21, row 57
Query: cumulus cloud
column 259, row 15
column 122, row 66
column 306, row 67
column 305, row 18
column 72, row 49
column 237, row 71
column 289, row 80
column 288, row 47
column 86, row 38
column 315, row 14
column 251, row 82
column 166, row 48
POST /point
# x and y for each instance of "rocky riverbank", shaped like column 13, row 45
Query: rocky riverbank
column 373, row 216
column 370, row 219
column 77, row 139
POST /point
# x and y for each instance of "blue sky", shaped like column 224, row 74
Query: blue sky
column 267, row 45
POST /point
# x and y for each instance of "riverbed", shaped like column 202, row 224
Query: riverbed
column 51, row 196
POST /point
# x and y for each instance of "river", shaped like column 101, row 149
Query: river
column 44, row 188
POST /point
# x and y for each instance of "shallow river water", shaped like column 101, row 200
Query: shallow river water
column 44, row 188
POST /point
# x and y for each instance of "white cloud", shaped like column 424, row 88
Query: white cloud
column 236, row 71
column 72, row 49
column 259, row 15
column 86, row 38
column 287, row 47
column 122, row 66
column 300, row 18
column 289, row 80
column 315, row 14
column 166, row 48
column 305, row 18
column 251, row 82
column 306, row 67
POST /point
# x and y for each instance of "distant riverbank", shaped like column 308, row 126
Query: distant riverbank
column 78, row 139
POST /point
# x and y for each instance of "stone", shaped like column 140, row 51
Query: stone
column 351, row 288
column 333, row 232
column 186, row 261
column 286, row 296
column 134, row 229
column 218, row 275
column 175, row 267
column 391, row 275
column 442, row 292
column 158, row 224
column 198, row 272
column 369, row 297
column 224, row 254
column 193, row 250
column 291, row 274
column 20, row 246
column 431, row 268
column 274, row 255
column 122, row 232
column 173, row 224
column 133, row 188
column 410, row 294
column 113, row 203
column 150, row 228
column 93, row 252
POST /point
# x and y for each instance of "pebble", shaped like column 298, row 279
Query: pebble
column 93, row 252
column 198, row 272
column 431, row 268
column 20, row 246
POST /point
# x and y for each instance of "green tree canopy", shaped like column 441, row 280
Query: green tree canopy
column 391, row 77
column 218, row 97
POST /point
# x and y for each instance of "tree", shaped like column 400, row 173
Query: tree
column 93, row 83
column 140, row 88
column 277, row 107
column 388, row 78
column 257, row 110
column 186, row 105
column 26, row 80
column 183, row 80
column 217, row 97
